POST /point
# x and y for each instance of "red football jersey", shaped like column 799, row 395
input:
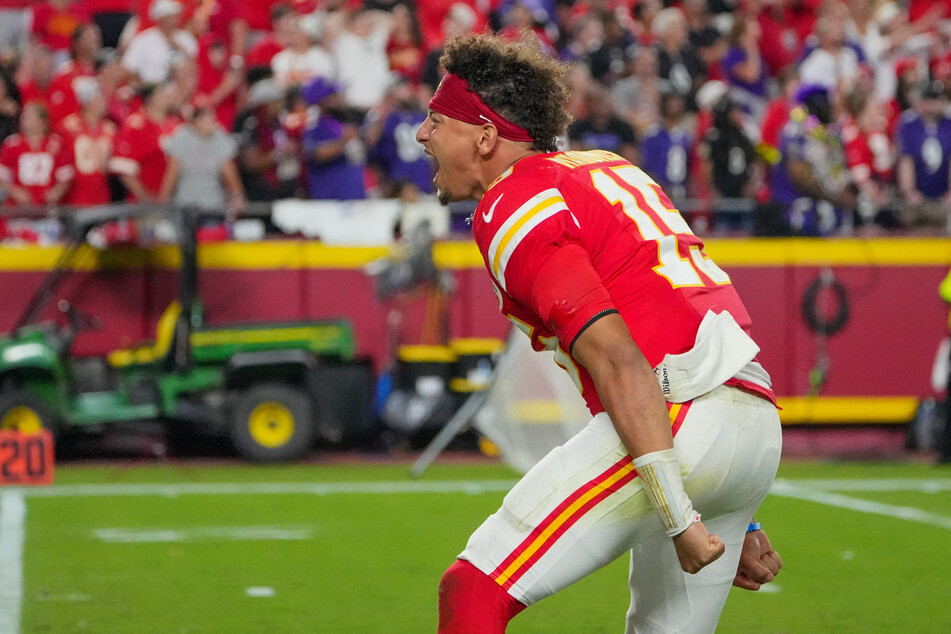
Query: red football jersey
column 54, row 27
column 868, row 155
column 88, row 146
column 36, row 168
column 138, row 150
column 31, row 91
column 652, row 269
column 62, row 96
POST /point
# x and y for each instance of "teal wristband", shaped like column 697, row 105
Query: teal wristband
column 754, row 526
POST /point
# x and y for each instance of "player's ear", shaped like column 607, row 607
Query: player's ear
column 488, row 139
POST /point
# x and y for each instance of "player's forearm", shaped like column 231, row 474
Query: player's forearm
column 626, row 385
column 629, row 391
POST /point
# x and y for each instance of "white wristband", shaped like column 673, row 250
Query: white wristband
column 660, row 476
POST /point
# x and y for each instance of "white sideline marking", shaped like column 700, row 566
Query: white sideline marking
column 68, row 598
column 202, row 533
column 259, row 591
column 884, row 485
column 12, row 533
column 473, row 487
column 785, row 488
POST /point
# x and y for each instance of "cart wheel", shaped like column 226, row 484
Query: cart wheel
column 272, row 423
column 22, row 411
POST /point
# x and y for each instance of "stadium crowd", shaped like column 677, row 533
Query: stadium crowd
column 808, row 117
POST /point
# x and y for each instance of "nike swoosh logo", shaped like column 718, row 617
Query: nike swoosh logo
column 487, row 217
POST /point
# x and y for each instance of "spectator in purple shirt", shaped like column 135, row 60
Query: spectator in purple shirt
column 812, row 181
column 391, row 138
column 334, row 153
column 744, row 68
column 666, row 147
column 924, row 145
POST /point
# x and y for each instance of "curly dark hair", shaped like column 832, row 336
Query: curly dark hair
column 517, row 80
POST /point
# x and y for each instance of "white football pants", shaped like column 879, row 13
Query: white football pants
column 582, row 507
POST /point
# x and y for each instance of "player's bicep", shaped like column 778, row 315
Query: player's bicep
column 568, row 294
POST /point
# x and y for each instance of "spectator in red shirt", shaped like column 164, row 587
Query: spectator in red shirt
column 89, row 137
column 283, row 19
column 54, row 22
column 138, row 157
column 432, row 13
column 777, row 114
column 218, row 81
column 219, row 17
column 460, row 18
column 780, row 43
column 405, row 48
column 85, row 44
column 33, row 166
column 36, row 75
column 868, row 151
column 259, row 15
column 121, row 98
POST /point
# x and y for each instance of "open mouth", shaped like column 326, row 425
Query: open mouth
column 435, row 163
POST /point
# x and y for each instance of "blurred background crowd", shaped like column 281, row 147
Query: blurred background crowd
column 771, row 117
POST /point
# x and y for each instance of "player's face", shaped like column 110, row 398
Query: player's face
column 453, row 145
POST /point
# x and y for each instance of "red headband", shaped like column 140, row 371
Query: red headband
column 455, row 99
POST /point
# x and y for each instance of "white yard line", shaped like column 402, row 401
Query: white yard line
column 202, row 533
column 12, row 517
column 876, row 485
column 473, row 487
column 795, row 489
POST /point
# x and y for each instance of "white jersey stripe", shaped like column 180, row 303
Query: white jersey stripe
column 509, row 233
column 524, row 230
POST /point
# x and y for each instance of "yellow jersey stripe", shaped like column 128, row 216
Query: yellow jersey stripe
column 507, row 237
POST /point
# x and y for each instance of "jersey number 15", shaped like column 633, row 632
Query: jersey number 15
column 658, row 221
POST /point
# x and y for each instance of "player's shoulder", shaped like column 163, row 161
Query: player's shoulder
column 514, row 205
column 570, row 160
column 515, row 189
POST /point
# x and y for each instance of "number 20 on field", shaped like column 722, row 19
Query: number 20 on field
column 26, row 459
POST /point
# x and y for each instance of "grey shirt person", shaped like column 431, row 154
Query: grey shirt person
column 201, row 159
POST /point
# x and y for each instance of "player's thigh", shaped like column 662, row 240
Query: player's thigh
column 576, row 511
column 664, row 599
column 729, row 447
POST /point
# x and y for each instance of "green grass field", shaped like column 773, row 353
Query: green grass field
column 360, row 548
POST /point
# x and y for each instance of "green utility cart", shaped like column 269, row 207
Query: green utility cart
column 274, row 388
